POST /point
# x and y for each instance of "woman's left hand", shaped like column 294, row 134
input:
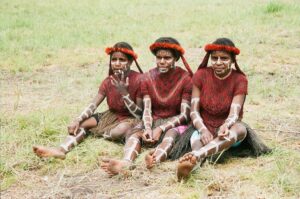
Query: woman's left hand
column 223, row 131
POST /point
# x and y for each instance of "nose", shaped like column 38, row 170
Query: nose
column 219, row 61
column 118, row 62
column 162, row 60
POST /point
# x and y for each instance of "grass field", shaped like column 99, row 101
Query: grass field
column 52, row 61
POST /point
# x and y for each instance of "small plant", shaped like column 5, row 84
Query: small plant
column 274, row 7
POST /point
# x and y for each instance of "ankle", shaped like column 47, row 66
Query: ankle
column 61, row 149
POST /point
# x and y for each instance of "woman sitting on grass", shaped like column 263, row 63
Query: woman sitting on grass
column 166, row 91
column 121, row 89
column 218, row 98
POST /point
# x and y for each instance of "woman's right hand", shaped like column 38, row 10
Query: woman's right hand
column 147, row 136
column 206, row 137
column 73, row 127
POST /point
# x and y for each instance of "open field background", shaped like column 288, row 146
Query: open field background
column 52, row 61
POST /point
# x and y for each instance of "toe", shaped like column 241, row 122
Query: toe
column 194, row 160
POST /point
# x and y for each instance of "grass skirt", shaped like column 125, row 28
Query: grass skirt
column 251, row 143
column 109, row 120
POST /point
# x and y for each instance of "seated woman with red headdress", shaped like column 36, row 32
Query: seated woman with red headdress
column 217, row 104
column 166, row 91
column 122, row 92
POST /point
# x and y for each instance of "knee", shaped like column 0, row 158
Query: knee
column 241, row 131
column 168, row 140
column 195, row 136
column 130, row 134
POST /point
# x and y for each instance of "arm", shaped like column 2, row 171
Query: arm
column 235, row 108
column 179, row 119
column 134, row 108
column 195, row 115
column 147, row 119
column 147, row 116
column 197, row 120
column 90, row 109
column 86, row 113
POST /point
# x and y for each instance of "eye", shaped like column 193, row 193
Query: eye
column 224, row 58
column 113, row 59
column 168, row 58
column 214, row 58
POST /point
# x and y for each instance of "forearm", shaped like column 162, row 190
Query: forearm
column 195, row 115
column 235, row 109
column 234, row 115
column 90, row 109
column 133, row 108
column 179, row 119
column 147, row 115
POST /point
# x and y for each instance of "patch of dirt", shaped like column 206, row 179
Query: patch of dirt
column 94, row 184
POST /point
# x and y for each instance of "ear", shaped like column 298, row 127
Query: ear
column 130, row 62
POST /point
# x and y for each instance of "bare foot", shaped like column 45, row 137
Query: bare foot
column 150, row 159
column 49, row 152
column 104, row 164
column 185, row 166
column 113, row 167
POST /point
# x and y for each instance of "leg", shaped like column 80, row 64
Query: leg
column 117, row 133
column 70, row 141
column 189, row 161
column 162, row 150
column 131, row 151
column 237, row 133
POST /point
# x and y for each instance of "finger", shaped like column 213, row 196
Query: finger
column 115, row 79
column 111, row 81
column 127, row 81
column 226, row 131
column 145, row 137
column 122, row 76
column 202, row 140
column 75, row 131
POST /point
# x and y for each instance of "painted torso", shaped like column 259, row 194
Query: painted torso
column 216, row 95
column 114, row 98
column 166, row 91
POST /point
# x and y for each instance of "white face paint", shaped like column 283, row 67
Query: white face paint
column 221, row 62
column 165, row 61
column 119, row 62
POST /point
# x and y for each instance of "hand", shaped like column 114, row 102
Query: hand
column 206, row 137
column 73, row 127
column 157, row 133
column 147, row 136
column 223, row 131
column 120, row 84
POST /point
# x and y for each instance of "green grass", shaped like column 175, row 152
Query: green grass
column 76, row 33
column 52, row 61
column 274, row 7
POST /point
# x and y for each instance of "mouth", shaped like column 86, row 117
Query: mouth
column 163, row 70
column 117, row 72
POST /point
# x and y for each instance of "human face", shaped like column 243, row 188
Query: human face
column 165, row 60
column 119, row 63
column 221, row 62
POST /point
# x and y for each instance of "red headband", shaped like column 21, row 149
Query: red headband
column 123, row 50
column 216, row 47
column 168, row 46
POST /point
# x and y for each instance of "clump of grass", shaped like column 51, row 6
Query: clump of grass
column 274, row 7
